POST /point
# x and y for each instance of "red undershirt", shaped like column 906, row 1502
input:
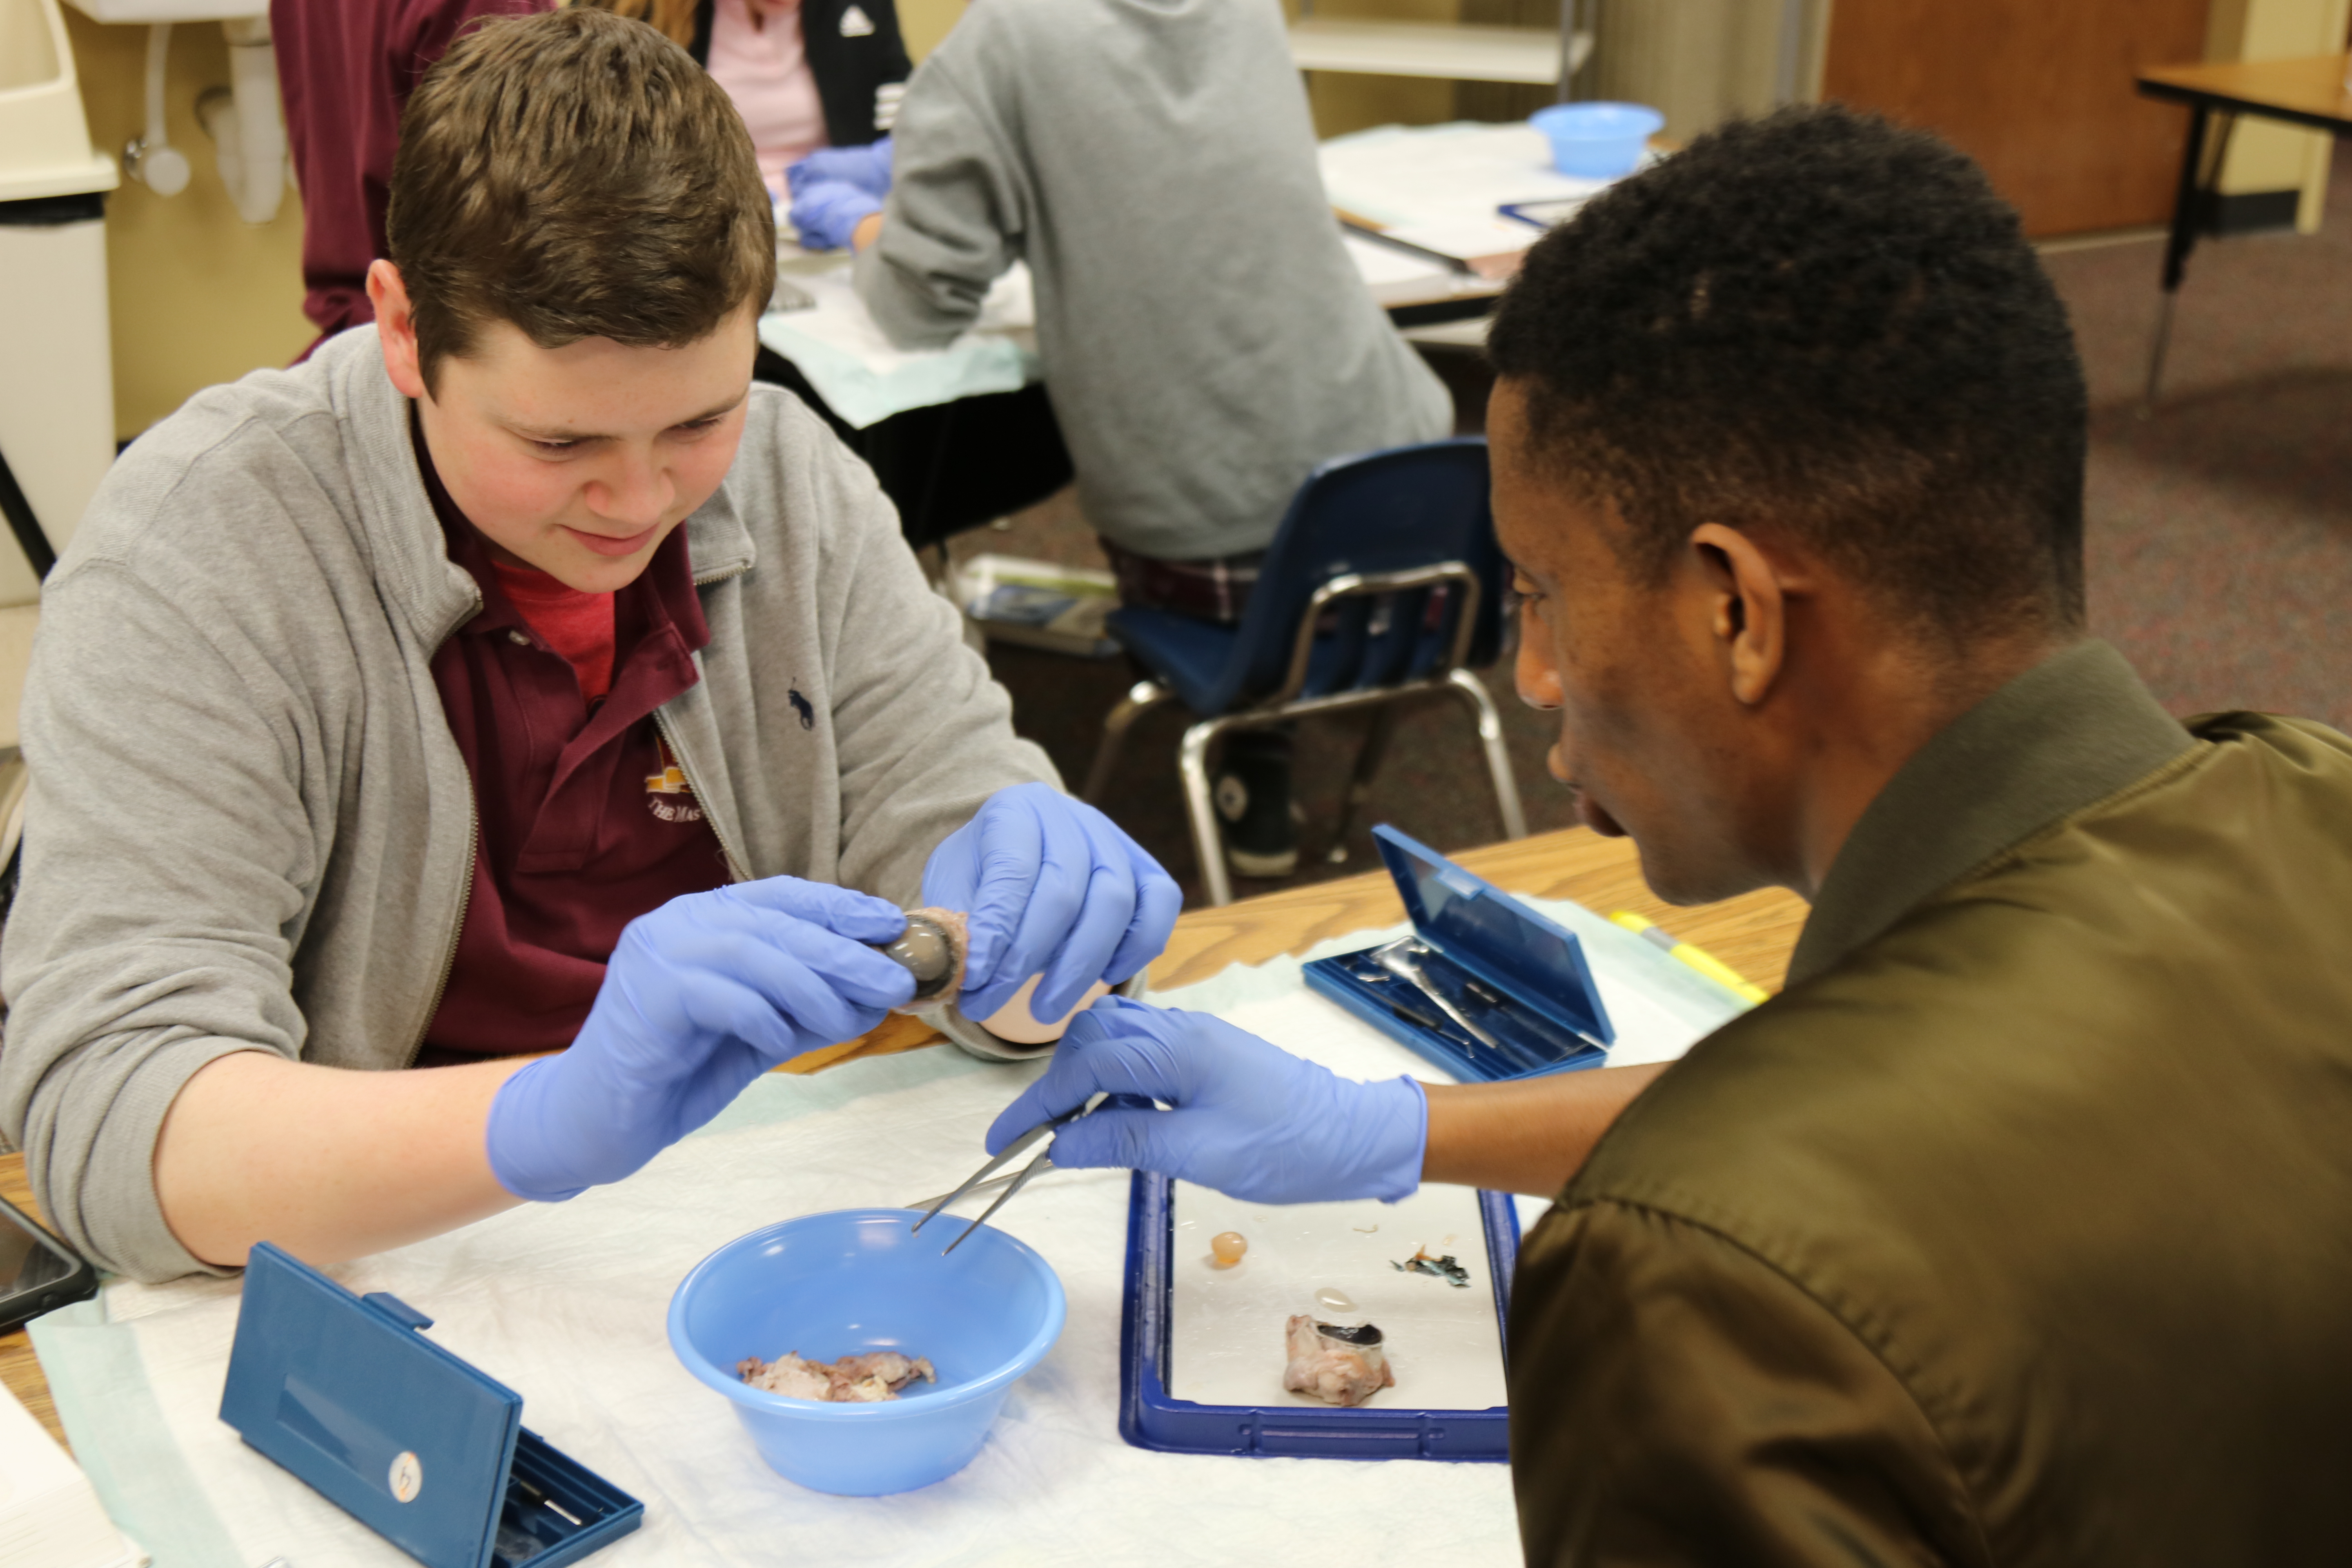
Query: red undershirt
column 577, row 624
column 585, row 820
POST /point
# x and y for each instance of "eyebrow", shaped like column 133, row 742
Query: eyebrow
column 557, row 433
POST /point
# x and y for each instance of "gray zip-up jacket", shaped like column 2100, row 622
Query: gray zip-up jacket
column 249, row 827
column 1206, row 340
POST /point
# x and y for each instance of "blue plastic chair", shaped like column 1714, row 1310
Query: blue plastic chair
column 1382, row 585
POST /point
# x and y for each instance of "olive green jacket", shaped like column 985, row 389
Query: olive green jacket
column 2019, row 1229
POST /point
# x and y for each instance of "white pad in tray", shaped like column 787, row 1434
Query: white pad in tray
column 1226, row 1325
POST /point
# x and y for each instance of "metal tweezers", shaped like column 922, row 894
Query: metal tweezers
column 1398, row 958
column 1013, row 1150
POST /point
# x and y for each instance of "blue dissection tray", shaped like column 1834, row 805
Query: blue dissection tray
column 1150, row 1418
column 1483, row 956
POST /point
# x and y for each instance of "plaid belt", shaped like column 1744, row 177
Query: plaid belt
column 1217, row 589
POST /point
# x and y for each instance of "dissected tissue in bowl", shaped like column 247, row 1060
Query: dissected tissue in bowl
column 852, row 1380
column 1338, row 1366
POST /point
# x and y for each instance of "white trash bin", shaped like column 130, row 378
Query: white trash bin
column 56, row 372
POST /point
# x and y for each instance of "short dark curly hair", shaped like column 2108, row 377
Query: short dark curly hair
column 1818, row 324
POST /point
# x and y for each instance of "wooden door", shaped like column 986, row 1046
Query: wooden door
column 2038, row 92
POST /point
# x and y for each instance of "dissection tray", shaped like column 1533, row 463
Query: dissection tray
column 1170, row 1343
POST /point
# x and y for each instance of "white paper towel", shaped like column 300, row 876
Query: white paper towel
column 566, row 1303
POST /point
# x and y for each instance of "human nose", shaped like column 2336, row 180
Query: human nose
column 636, row 490
column 1532, row 672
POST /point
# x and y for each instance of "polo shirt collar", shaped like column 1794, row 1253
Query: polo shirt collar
column 2069, row 732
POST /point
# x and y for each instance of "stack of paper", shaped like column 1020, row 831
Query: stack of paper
column 1398, row 277
column 1443, row 187
column 49, row 1517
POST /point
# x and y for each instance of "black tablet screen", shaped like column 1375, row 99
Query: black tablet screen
column 26, row 1263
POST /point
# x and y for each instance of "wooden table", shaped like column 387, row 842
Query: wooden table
column 1753, row 933
column 2309, row 93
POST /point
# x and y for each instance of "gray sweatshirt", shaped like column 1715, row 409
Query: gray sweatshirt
column 1206, row 340
column 249, row 827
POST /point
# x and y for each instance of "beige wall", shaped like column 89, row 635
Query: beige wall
column 1345, row 101
column 2266, row 155
column 925, row 21
column 196, row 295
column 1694, row 62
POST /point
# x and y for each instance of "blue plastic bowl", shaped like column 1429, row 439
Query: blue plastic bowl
column 829, row 1285
column 1597, row 140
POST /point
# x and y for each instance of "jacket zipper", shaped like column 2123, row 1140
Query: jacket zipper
column 465, row 889
column 465, row 902
column 736, row 868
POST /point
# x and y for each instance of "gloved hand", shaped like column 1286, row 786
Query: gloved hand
column 1052, row 888
column 1248, row 1117
column 826, row 213
column 866, row 167
column 702, row 996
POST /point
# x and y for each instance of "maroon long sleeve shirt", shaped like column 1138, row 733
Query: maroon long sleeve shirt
column 345, row 68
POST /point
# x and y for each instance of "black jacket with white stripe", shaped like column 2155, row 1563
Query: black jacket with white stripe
column 856, row 56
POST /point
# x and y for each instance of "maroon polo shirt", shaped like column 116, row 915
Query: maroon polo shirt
column 586, row 821
column 345, row 68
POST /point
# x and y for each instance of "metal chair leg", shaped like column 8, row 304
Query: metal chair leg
column 1359, row 783
column 1498, row 757
column 1140, row 698
column 1200, row 808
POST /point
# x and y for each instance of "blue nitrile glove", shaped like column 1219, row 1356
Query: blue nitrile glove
column 866, row 167
column 826, row 212
column 1052, row 888
column 702, row 996
column 1248, row 1117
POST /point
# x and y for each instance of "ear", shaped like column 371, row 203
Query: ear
column 1748, row 608
column 396, row 328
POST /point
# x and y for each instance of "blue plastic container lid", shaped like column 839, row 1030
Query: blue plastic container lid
column 1597, row 140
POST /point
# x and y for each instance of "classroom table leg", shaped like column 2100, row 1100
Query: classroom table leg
column 2188, row 211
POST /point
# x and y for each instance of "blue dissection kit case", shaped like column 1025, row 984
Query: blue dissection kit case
column 1479, row 954
column 411, row 1440
column 1148, row 1418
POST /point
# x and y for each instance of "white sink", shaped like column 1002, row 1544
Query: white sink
column 143, row 11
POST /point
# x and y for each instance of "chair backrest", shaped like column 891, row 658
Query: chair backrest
column 1394, row 511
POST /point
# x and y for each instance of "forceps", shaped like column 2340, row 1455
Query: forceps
column 1019, row 1146
column 1397, row 959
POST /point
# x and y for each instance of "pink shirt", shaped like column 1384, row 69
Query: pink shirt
column 765, row 70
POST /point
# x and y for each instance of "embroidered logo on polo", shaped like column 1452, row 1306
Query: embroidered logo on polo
column 801, row 706
column 667, row 795
column 855, row 23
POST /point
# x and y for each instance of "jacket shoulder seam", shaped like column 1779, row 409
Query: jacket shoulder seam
column 245, row 422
